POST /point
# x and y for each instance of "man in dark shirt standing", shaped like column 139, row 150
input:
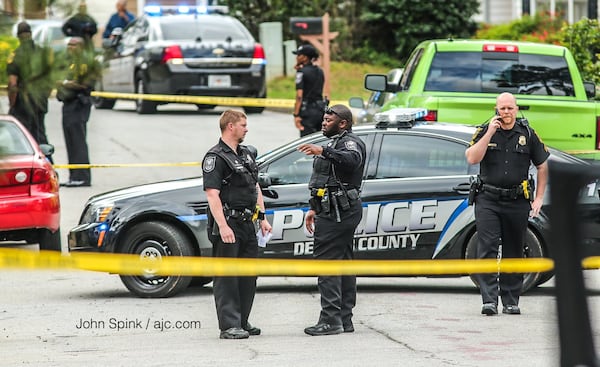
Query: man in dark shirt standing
column 30, row 82
column 230, row 178
column 335, row 212
column 504, row 148
column 309, row 105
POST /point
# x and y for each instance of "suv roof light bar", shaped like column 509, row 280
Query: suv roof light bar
column 159, row 10
column 399, row 117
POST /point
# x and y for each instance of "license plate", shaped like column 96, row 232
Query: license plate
column 219, row 81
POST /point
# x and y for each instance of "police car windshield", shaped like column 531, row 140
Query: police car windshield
column 202, row 29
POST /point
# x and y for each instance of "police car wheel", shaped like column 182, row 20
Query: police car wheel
column 143, row 106
column 154, row 240
column 532, row 248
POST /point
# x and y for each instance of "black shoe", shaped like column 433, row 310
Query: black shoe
column 324, row 329
column 511, row 310
column 252, row 330
column 75, row 183
column 234, row 333
column 349, row 327
column 489, row 309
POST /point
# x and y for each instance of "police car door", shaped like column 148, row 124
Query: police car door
column 286, row 198
column 414, row 197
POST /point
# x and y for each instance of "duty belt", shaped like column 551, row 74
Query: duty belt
column 512, row 193
column 241, row 214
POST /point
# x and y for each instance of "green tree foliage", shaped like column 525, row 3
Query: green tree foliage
column 539, row 28
column 397, row 26
column 583, row 39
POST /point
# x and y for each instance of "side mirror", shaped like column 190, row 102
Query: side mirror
column 264, row 180
column 356, row 102
column 376, row 82
column 47, row 149
column 590, row 89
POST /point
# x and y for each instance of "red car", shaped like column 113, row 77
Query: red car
column 29, row 201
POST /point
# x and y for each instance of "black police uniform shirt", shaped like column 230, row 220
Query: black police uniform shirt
column 347, row 153
column 310, row 79
column 234, row 174
column 509, row 153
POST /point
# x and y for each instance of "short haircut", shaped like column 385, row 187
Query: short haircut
column 230, row 116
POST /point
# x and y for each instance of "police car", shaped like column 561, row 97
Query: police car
column 184, row 50
column 414, row 193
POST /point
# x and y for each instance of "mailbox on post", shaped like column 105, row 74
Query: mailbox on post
column 306, row 25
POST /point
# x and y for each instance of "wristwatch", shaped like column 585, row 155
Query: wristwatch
column 296, row 115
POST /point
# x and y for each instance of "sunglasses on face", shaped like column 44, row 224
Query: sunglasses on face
column 329, row 111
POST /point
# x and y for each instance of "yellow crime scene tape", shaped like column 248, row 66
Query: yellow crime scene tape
column 222, row 101
column 211, row 266
column 120, row 165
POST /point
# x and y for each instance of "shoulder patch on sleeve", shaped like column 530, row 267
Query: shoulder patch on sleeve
column 209, row 164
column 298, row 77
column 351, row 145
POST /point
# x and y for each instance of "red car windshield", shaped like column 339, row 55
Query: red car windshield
column 13, row 141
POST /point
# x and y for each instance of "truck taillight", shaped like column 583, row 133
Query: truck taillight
column 597, row 132
column 173, row 54
column 259, row 54
column 431, row 115
column 500, row 48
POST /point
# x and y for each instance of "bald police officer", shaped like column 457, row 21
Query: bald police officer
column 309, row 104
column 231, row 184
column 504, row 148
column 335, row 212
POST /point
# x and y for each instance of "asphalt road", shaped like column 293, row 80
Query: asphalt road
column 77, row 318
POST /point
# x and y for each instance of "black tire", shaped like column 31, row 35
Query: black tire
column 49, row 241
column 143, row 106
column 251, row 110
column 532, row 248
column 203, row 107
column 100, row 102
column 155, row 239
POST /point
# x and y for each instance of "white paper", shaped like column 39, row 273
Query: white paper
column 263, row 239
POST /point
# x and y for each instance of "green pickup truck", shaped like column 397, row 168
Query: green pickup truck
column 458, row 81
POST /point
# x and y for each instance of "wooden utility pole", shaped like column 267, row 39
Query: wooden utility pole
column 321, row 43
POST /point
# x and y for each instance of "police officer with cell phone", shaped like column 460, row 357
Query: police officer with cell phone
column 309, row 104
column 335, row 212
column 230, row 179
column 504, row 149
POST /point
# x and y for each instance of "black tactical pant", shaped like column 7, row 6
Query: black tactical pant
column 500, row 222
column 75, row 115
column 234, row 296
column 334, row 241
column 312, row 118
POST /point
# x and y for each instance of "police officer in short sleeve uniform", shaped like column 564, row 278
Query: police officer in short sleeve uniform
column 230, row 177
column 335, row 212
column 505, row 148
column 309, row 105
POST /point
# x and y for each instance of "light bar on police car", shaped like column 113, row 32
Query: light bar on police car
column 158, row 10
column 400, row 115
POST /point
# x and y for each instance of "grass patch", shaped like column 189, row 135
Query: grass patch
column 346, row 80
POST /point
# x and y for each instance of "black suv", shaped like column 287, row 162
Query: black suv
column 183, row 54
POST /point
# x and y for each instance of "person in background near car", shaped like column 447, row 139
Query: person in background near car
column 120, row 19
column 309, row 105
column 335, row 212
column 81, row 25
column 29, row 70
column 82, row 72
column 504, row 149
column 235, row 201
